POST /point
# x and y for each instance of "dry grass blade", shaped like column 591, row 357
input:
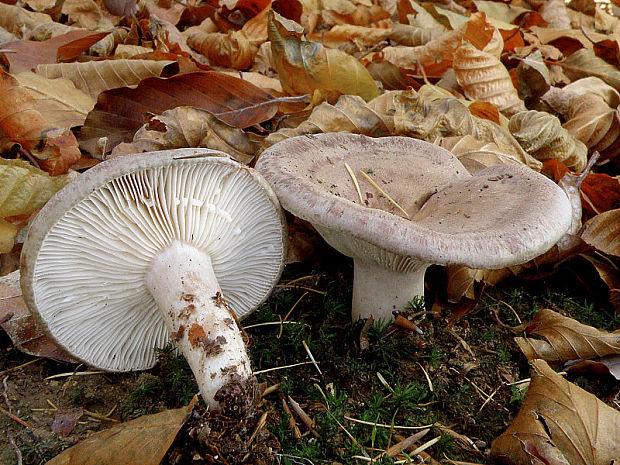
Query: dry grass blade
column 382, row 192
column 354, row 179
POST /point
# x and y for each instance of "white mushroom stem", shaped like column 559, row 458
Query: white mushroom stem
column 183, row 284
column 378, row 291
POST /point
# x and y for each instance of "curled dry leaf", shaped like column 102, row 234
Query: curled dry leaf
column 533, row 77
column 412, row 36
column 584, row 63
column 555, row 13
column 542, row 136
column 595, row 124
column 94, row 77
column 190, row 127
column 55, row 147
column 566, row 339
column 484, row 77
column 445, row 117
column 20, row 21
column 341, row 34
column 305, row 66
column 603, row 232
column 560, row 424
column 349, row 114
column 143, row 441
column 231, row 50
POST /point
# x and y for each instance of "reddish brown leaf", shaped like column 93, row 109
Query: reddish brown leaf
column 484, row 110
column 65, row 420
column 28, row 54
column 120, row 112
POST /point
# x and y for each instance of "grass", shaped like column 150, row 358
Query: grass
column 384, row 383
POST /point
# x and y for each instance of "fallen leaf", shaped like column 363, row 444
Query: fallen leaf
column 584, row 63
column 143, row 441
column 65, row 420
column 556, row 14
column 566, row 339
column 19, row 324
column 542, row 136
column 305, row 66
column 56, row 147
column 94, row 77
column 603, row 232
column 609, row 364
column 19, row 20
column 29, row 54
column 120, row 112
column 231, row 50
column 560, row 424
column 190, row 127
column 484, row 77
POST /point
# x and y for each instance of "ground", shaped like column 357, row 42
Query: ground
column 461, row 377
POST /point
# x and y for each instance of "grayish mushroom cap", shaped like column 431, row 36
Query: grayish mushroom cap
column 504, row 215
column 89, row 248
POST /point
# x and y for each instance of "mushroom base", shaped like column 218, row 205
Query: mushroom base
column 200, row 324
column 378, row 291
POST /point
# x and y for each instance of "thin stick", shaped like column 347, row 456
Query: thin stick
column 303, row 416
column 270, row 389
column 381, row 425
column 357, row 186
column 311, row 357
column 306, row 288
column 17, row 451
column 261, row 422
column 79, row 373
column 8, row 370
column 489, row 399
column 384, row 382
column 17, row 419
column 291, row 419
column 405, row 444
column 428, row 378
column 425, row 446
column 269, row 323
column 282, row 367
column 376, row 186
column 294, row 306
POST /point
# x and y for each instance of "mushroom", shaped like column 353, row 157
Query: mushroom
column 148, row 248
column 440, row 213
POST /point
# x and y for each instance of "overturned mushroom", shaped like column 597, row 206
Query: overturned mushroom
column 504, row 215
column 148, row 248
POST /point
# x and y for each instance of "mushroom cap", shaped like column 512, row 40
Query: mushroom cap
column 88, row 250
column 504, row 215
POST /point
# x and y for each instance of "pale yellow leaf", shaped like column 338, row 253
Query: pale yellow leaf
column 94, row 77
column 60, row 103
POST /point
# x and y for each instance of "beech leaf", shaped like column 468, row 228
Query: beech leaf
column 143, row 441
column 190, row 127
column 566, row 339
column 603, row 232
column 560, row 424
column 305, row 66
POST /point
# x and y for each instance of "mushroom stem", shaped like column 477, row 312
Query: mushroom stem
column 182, row 282
column 377, row 291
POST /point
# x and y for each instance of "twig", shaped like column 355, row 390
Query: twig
column 404, row 444
column 17, row 419
column 384, row 382
column 357, row 186
column 4, row 391
column 79, row 373
column 306, row 288
column 291, row 311
column 303, row 416
column 261, row 422
column 428, row 378
column 489, row 399
column 311, row 357
column 8, row 370
column 17, row 451
column 376, row 186
column 291, row 420
column 426, row 445
column 381, row 425
column 269, row 323
column 270, row 389
column 282, row 367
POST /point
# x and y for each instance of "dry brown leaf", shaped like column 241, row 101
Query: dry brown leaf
column 58, row 101
column 605, row 22
column 89, row 15
column 230, row 50
column 190, row 127
column 569, row 39
column 446, row 117
column 556, row 14
column 594, row 123
column 55, row 147
column 94, row 77
column 566, row 339
column 143, row 441
column 603, row 232
column 533, row 77
column 584, row 63
column 20, row 21
column 349, row 114
column 412, row 36
column 561, row 100
column 484, row 77
column 361, row 36
column 542, row 136
column 559, row 424
column 305, row 66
